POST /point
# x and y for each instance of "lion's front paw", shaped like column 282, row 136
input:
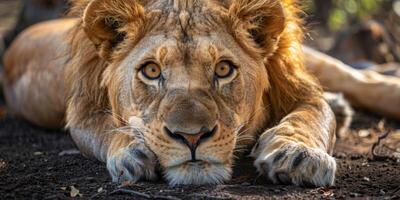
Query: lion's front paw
column 132, row 163
column 299, row 165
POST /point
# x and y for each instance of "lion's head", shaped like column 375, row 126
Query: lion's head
column 199, row 74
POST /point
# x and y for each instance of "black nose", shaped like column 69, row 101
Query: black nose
column 192, row 140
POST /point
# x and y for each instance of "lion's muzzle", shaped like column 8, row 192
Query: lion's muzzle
column 192, row 141
column 190, row 121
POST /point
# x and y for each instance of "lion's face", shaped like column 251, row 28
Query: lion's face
column 195, row 86
column 194, row 97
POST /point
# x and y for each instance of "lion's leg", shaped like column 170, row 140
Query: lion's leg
column 363, row 88
column 297, row 149
column 125, row 153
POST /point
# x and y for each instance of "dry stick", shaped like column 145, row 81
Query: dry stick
column 376, row 144
column 164, row 197
column 144, row 195
column 390, row 148
column 396, row 190
column 97, row 194
column 122, row 190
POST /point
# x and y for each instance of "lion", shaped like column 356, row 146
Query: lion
column 178, row 86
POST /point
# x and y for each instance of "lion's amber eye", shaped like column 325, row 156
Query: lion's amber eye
column 151, row 71
column 224, row 69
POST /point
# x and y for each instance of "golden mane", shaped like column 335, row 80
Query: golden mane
column 289, row 81
column 84, row 74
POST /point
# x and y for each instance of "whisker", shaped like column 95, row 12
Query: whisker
column 117, row 116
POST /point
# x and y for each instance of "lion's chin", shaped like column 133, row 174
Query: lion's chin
column 198, row 173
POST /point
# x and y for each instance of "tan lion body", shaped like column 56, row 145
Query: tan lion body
column 88, row 74
column 43, row 104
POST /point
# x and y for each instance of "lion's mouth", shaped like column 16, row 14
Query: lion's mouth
column 198, row 173
column 195, row 163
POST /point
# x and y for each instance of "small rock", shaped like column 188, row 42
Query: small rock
column 364, row 133
column 38, row 153
column 365, row 164
column 2, row 164
column 340, row 155
column 366, row 179
column 353, row 194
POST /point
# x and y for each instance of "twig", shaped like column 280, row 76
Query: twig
column 97, row 194
column 390, row 148
column 122, row 190
column 376, row 144
column 256, row 178
column 143, row 195
column 164, row 197
column 205, row 196
column 396, row 190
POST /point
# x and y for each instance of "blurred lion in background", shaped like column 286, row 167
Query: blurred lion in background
column 178, row 85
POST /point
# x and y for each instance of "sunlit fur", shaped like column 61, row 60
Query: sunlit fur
column 118, row 116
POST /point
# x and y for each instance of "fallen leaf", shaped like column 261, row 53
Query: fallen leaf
column 100, row 190
column 38, row 153
column 326, row 192
column 126, row 184
column 366, row 179
column 64, row 188
column 74, row 192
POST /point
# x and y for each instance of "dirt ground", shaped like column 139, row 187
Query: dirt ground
column 40, row 164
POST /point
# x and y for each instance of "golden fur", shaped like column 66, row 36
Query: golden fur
column 118, row 116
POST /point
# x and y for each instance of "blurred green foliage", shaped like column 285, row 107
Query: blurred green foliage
column 345, row 12
column 352, row 10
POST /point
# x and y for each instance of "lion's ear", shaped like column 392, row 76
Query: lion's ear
column 105, row 21
column 264, row 20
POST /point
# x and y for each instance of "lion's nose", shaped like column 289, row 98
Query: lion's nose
column 192, row 140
